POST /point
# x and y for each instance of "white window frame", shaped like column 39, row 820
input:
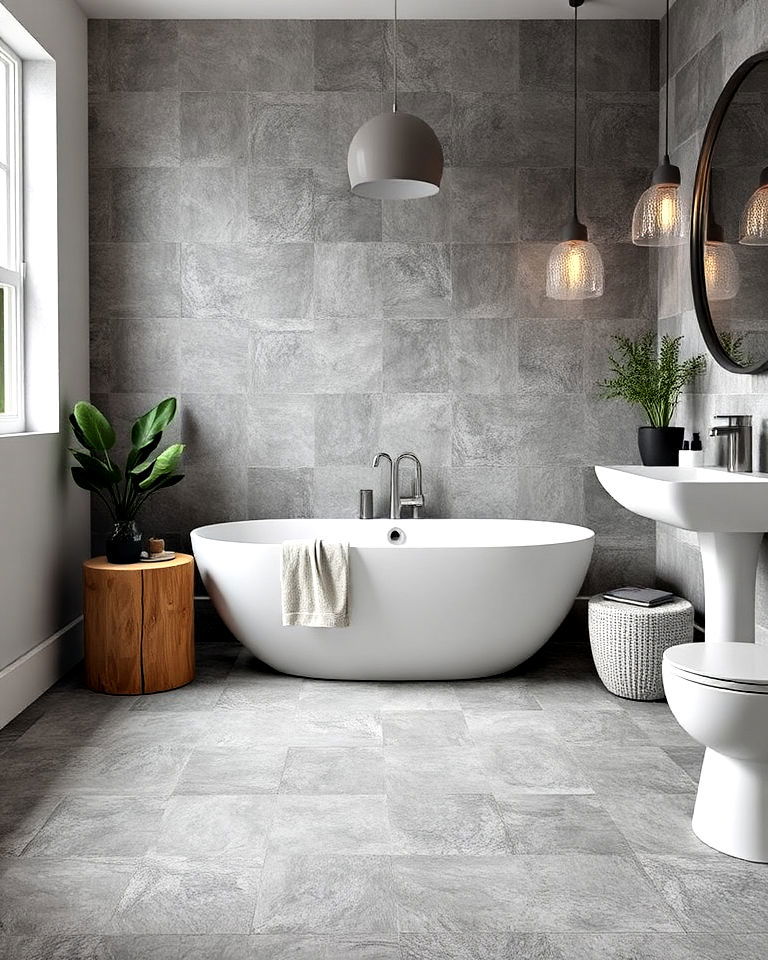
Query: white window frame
column 12, row 276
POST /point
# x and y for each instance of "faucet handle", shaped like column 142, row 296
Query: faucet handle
column 735, row 419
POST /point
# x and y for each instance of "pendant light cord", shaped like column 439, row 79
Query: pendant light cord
column 394, row 61
column 666, row 90
column 575, row 103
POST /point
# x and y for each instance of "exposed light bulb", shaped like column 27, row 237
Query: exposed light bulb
column 660, row 218
column 721, row 270
column 753, row 227
column 575, row 271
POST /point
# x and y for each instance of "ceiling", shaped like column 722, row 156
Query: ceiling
column 373, row 9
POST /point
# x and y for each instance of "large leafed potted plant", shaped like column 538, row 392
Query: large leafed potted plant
column 124, row 490
column 653, row 379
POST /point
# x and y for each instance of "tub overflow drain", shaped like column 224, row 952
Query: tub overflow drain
column 396, row 535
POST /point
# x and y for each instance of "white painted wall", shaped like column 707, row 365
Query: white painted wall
column 44, row 519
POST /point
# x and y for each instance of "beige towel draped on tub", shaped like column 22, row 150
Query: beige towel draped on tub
column 315, row 583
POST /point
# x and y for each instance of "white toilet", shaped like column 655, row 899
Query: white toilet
column 719, row 694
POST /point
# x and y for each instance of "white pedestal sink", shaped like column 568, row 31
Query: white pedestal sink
column 728, row 511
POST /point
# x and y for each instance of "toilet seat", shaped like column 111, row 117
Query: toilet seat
column 731, row 666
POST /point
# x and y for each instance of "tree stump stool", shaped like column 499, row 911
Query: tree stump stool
column 139, row 625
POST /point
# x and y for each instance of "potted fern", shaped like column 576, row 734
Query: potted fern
column 652, row 379
column 124, row 491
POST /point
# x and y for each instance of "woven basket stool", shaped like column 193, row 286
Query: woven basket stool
column 628, row 643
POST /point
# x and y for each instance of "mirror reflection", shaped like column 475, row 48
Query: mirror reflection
column 736, row 247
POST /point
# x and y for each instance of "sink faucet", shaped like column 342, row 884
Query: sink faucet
column 392, row 498
column 416, row 500
column 739, row 433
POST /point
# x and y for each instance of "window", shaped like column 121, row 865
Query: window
column 11, row 248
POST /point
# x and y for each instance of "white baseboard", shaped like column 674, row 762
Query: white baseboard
column 24, row 680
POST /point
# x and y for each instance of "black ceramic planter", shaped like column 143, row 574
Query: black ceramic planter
column 659, row 446
column 124, row 543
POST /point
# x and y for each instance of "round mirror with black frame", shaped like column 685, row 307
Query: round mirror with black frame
column 729, row 223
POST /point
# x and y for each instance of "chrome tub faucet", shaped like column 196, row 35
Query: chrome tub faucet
column 739, row 433
column 397, row 502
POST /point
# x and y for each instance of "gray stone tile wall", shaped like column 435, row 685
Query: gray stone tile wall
column 709, row 39
column 304, row 329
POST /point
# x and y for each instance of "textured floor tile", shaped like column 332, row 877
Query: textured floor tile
column 606, row 768
column 654, row 823
column 688, row 759
column 595, row 726
column 261, row 697
column 512, row 727
column 286, row 946
column 60, row 896
column 21, row 817
column 253, row 728
column 232, row 770
column 571, row 892
column 333, row 770
column 655, row 946
column 539, row 768
column 327, row 727
column 658, row 724
column 435, row 771
column 552, row 823
column 99, row 827
column 440, row 728
column 477, row 945
column 113, row 768
column 232, row 829
column 503, row 695
column 193, row 698
column 720, row 896
column 59, row 948
column 420, row 696
column 329, row 824
column 319, row 894
column 171, row 895
column 447, row 826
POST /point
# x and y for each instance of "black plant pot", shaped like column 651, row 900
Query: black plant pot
column 659, row 446
column 124, row 543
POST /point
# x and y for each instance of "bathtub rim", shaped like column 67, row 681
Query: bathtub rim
column 580, row 533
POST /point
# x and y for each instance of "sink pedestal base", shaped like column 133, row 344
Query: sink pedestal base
column 729, row 562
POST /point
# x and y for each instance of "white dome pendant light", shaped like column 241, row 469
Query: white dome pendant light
column 660, row 218
column 395, row 156
column 575, row 268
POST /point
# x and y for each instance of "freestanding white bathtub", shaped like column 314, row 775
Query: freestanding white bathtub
column 451, row 599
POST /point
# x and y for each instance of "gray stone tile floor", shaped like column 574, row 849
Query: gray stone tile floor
column 252, row 815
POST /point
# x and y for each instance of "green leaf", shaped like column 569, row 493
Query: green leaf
column 95, row 431
column 99, row 474
column 165, row 482
column 82, row 479
column 153, row 422
column 77, row 432
column 139, row 455
column 163, row 464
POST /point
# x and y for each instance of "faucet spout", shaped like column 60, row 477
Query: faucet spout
column 392, row 494
column 739, row 433
column 416, row 500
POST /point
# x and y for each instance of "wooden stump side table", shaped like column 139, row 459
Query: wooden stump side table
column 139, row 625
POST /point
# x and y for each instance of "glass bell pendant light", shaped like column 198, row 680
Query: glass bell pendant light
column 575, row 267
column 395, row 156
column 721, row 269
column 660, row 218
column 753, row 228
